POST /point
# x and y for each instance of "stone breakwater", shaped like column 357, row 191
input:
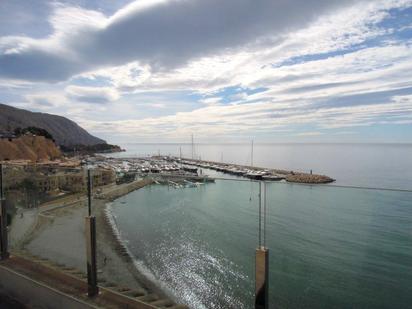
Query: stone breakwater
column 308, row 178
column 261, row 173
column 116, row 191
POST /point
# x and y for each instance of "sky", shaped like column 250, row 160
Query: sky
column 224, row 71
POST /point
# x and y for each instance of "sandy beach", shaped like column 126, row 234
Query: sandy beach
column 55, row 231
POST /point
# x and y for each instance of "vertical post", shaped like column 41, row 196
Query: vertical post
column 193, row 148
column 90, row 221
column 264, row 214
column 92, row 289
column 89, row 193
column 251, row 155
column 262, row 258
column 262, row 278
column 1, row 181
column 4, row 253
column 260, row 214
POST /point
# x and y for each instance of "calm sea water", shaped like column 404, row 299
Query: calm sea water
column 379, row 165
column 329, row 247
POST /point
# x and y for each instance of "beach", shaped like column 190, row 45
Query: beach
column 55, row 231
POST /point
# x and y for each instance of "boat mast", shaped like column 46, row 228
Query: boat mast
column 251, row 157
column 193, row 148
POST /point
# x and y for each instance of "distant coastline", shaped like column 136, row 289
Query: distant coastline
column 90, row 149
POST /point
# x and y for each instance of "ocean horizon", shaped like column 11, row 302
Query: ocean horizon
column 383, row 165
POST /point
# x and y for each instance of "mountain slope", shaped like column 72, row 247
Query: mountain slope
column 64, row 131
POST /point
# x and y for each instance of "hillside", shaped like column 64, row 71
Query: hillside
column 64, row 131
column 28, row 147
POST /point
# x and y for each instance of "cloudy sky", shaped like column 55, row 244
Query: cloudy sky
column 224, row 70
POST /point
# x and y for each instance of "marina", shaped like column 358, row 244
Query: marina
column 190, row 169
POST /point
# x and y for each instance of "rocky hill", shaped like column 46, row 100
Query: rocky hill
column 64, row 131
column 28, row 147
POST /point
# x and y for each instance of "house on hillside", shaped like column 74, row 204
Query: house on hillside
column 7, row 135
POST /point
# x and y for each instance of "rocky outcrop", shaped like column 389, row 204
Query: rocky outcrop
column 64, row 131
column 28, row 147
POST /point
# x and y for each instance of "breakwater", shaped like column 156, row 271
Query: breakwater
column 116, row 191
column 260, row 173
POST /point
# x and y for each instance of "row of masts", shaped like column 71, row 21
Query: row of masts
column 193, row 156
column 193, row 152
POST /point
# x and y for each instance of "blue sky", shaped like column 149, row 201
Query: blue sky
column 225, row 71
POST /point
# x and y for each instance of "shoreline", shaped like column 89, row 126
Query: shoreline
column 108, row 232
column 54, row 226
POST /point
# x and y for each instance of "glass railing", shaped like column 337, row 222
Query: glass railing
column 47, row 207
column 187, row 240
column 339, row 247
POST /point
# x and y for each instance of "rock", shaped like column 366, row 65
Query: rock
column 28, row 147
column 309, row 178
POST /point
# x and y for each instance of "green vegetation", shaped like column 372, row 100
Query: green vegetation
column 126, row 178
column 87, row 149
column 33, row 130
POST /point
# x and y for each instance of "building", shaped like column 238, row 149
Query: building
column 47, row 183
column 47, row 179
column 7, row 135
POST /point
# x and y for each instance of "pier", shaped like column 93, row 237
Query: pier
column 258, row 173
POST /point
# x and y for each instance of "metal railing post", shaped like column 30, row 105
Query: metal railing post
column 90, row 222
column 262, row 279
column 4, row 250
column 262, row 259
column 93, row 288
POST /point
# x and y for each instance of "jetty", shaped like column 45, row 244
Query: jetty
column 257, row 173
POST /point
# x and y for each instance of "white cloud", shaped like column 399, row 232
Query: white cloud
column 314, row 68
column 260, row 117
column 162, row 34
column 381, row 66
column 44, row 100
column 211, row 101
column 310, row 133
column 92, row 94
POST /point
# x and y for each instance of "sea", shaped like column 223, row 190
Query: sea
column 348, row 245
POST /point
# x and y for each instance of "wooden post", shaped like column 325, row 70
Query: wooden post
column 262, row 279
column 93, row 289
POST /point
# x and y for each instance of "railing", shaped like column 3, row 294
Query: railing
column 207, row 245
